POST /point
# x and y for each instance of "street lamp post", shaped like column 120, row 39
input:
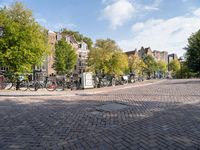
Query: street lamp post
column 181, row 60
column 1, row 31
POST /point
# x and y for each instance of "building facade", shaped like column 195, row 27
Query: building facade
column 145, row 51
column 81, row 50
column 158, row 55
column 52, row 39
column 132, row 53
column 46, row 69
column 82, row 57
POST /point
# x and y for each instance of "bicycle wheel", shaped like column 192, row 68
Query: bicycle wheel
column 23, row 86
column 105, row 83
column 7, row 84
column 32, row 86
column 60, row 86
column 51, row 85
column 113, row 82
column 125, row 82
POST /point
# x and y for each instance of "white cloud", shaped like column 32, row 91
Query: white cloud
column 108, row 1
column 118, row 12
column 138, row 27
column 153, row 7
column 150, row 8
column 197, row 12
column 143, row 25
column 170, row 34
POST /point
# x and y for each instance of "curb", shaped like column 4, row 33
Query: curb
column 77, row 93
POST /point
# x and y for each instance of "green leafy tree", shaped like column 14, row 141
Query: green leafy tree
column 174, row 67
column 65, row 58
column 107, row 58
column 25, row 42
column 162, row 67
column 151, row 65
column 117, row 64
column 136, row 65
column 193, row 52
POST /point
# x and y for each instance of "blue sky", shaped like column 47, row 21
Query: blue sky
column 160, row 24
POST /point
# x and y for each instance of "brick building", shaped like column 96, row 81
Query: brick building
column 145, row 51
column 132, row 53
column 46, row 68
column 81, row 51
column 158, row 55
column 52, row 37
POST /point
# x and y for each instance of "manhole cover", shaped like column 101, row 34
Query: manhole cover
column 112, row 107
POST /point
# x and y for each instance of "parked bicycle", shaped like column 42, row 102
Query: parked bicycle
column 4, row 84
column 48, row 83
column 105, row 81
column 62, row 83
column 14, row 81
column 122, row 80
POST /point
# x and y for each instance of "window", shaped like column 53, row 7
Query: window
column 3, row 68
column 58, row 37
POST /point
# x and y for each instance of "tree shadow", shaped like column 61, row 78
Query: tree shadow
column 78, row 124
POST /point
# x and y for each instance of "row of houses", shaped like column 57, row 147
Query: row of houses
column 81, row 49
column 82, row 53
column 158, row 55
column 46, row 68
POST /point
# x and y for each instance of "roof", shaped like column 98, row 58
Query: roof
column 131, row 52
column 72, row 37
column 51, row 32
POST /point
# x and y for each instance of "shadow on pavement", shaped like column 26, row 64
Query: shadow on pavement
column 77, row 124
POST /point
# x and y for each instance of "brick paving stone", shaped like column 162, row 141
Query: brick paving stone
column 164, row 115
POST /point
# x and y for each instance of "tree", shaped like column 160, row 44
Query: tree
column 136, row 65
column 193, row 52
column 161, row 67
column 151, row 65
column 174, row 67
column 25, row 42
column 65, row 58
column 107, row 58
column 117, row 64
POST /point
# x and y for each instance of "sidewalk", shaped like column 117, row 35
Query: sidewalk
column 44, row 92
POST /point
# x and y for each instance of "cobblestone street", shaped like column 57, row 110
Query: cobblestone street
column 163, row 115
